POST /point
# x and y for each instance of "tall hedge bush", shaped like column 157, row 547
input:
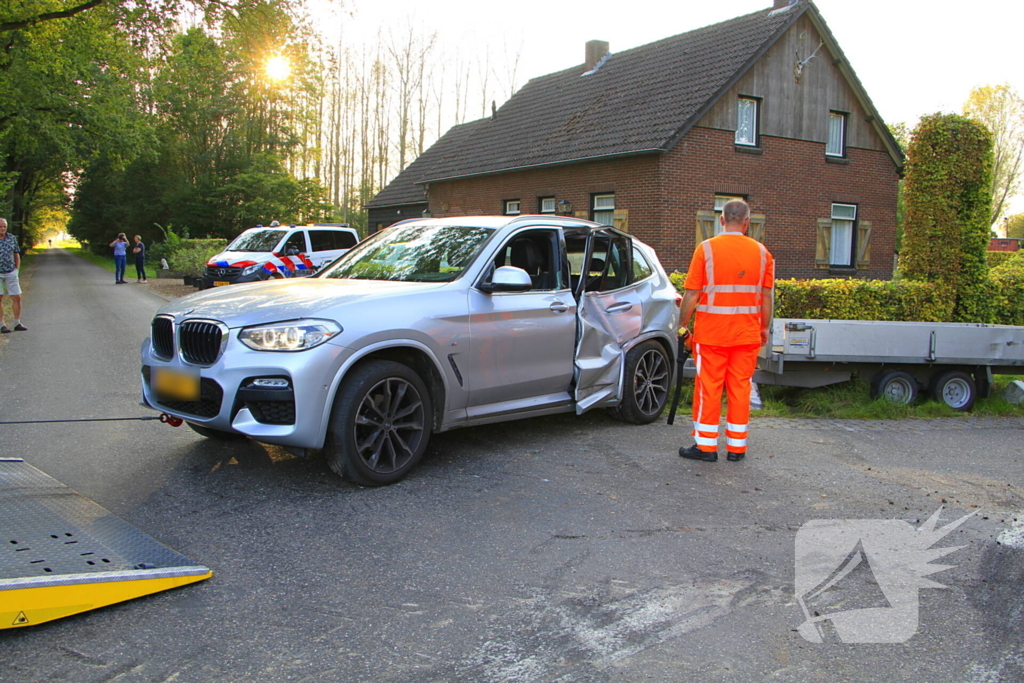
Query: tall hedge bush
column 948, row 204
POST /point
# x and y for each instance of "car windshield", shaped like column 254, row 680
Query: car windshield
column 413, row 253
column 257, row 240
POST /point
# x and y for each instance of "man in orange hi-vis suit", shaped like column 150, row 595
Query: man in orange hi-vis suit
column 729, row 285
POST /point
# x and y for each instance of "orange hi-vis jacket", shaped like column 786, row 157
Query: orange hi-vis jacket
column 730, row 269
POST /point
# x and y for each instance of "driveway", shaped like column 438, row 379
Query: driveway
column 557, row 549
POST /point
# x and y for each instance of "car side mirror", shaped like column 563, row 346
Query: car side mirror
column 508, row 279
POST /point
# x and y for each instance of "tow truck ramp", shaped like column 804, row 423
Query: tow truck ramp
column 62, row 554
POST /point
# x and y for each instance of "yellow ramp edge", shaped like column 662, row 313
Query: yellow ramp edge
column 62, row 554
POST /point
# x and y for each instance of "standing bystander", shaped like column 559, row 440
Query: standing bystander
column 10, row 264
column 730, row 286
column 120, row 246
column 139, row 249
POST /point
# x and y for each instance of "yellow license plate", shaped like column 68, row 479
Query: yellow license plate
column 173, row 384
column 219, row 283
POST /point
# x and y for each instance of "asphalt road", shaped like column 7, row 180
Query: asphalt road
column 559, row 549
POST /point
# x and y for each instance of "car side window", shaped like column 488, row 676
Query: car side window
column 296, row 244
column 641, row 268
column 323, row 240
column 534, row 251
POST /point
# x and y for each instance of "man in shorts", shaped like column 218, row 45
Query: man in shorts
column 10, row 263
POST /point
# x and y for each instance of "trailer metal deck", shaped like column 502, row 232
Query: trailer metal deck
column 62, row 554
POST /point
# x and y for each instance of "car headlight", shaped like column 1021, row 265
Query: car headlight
column 249, row 270
column 298, row 335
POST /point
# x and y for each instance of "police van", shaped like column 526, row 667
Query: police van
column 278, row 251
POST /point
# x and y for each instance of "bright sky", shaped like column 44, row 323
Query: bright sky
column 914, row 57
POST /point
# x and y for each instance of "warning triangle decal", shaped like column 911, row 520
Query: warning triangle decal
column 20, row 620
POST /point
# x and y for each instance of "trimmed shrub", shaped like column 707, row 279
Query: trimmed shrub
column 948, row 198
column 1008, row 286
column 190, row 256
column 998, row 258
column 857, row 299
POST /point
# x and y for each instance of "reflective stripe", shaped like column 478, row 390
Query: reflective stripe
column 729, row 310
column 733, row 289
column 709, row 271
column 705, row 428
column 705, row 441
column 736, row 443
column 735, row 428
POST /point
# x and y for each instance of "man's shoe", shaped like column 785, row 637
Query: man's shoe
column 20, row 328
column 4, row 329
column 735, row 457
column 694, row 453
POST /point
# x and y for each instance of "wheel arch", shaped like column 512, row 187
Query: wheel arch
column 409, row 352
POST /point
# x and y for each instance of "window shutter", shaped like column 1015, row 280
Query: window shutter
column 823, row 248
column 705, row 225
column 756, row 230
column 620, row 219
column 864, row 244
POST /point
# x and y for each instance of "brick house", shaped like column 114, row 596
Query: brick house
column 654, row 140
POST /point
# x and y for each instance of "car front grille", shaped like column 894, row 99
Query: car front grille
column 200, row 341
column 163, row 338
column 224, row 272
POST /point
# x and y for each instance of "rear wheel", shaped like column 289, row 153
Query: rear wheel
column 648, row 376
column 896, row 386
column 380, row 424
column 214, row 433
column 956, row 389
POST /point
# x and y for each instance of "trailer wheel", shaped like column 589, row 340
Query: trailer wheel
column 896, row 386
column 956, row 389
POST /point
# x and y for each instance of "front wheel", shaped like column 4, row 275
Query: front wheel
column 956, row 389
column 380, row 424
column 648, row 377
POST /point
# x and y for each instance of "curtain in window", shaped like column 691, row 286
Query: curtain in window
column 746, row 122
column 836, row 124
column 841, row 253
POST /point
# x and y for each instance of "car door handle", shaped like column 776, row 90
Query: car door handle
column 620, row 307
column 558, row 307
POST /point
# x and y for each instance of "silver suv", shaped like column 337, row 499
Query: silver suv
column 426, row 326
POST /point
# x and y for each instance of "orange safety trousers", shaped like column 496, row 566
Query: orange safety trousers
column 732, row 366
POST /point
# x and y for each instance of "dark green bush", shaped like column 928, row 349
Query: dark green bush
column 190, row 256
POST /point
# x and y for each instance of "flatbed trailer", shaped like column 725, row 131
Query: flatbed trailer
column 952, row 362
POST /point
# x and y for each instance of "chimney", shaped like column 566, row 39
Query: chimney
column 596, row 49
column 780, row 4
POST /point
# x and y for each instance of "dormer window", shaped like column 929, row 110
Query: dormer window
column 747, row 124
column 836, row 145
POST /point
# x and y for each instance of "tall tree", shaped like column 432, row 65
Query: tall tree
column 1001, row 109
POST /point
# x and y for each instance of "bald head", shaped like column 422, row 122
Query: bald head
column 734, row 213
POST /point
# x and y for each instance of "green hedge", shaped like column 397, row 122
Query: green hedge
column 891, row 299
column 190, row 256
column 998, row 258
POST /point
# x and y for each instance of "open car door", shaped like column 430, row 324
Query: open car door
column 609, row 313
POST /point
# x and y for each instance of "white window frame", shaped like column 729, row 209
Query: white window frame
column 513, row 207
column 546, row 204
column 841, row 246
column 601, row 205
column 835, row 146
column 747, row 133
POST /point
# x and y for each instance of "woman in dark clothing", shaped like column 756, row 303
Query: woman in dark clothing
column 139, row 249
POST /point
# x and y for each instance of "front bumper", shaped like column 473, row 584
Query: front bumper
column 294, row 416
